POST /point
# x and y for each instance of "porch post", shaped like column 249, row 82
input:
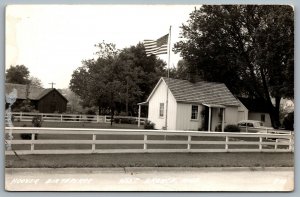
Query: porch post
column 139, row 116
column 223, row 119
column 209, row 118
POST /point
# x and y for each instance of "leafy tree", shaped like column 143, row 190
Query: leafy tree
column 139, row 74
column 74, row 101
column 18, row 74
column 250, row 48
column 34, row 81
column 181, row 71
column 96, row 81
column 117, row 80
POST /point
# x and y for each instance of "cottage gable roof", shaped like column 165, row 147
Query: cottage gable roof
column 201, row 92
column 254, row 105
column 35, row 93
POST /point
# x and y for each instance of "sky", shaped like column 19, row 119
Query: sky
column 52, row 40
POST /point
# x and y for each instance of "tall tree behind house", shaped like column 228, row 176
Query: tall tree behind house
column 248, row 47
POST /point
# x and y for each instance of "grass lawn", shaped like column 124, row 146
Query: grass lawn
column 153, row 160
column 80, row 125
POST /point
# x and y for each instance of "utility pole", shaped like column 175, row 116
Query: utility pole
column 52, row 84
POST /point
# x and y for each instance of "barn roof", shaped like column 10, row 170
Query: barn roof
column 35, row 93
column 201, row 92
column 44, row 93
column 254, row 105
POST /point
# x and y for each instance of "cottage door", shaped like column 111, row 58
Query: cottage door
column 206, row 117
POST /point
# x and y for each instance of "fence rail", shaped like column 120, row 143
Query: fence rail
column 88, row 141
column 49, row 117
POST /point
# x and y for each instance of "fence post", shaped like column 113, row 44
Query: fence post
column 291, row 141
column 32, row 141
column 145, row 142
column 20, row 116
column 93, row 144
column 97, row 118
column 260, row 143
column 189, row 142
column 226, row 143
column 276, row 141
column 104, row 118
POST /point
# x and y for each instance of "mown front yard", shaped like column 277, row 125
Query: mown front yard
column 80, row 125
column 153, row 160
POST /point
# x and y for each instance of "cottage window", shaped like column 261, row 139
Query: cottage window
column 262, row 117
column 194, row 115
column 161, row 109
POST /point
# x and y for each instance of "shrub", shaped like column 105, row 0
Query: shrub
column 231, row 128
column 90, row 112
column 149, row 125
column 26, row 136
column 218, row 128
column 288, row 121
column 37, row 121
column 117, row 120
column 127, row 120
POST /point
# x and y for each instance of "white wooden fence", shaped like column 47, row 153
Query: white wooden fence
column 50, row 117
column 145, row 141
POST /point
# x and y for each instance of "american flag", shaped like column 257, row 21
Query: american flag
column 157, row 47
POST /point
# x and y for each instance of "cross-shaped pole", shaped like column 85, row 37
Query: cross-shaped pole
column 52, row 84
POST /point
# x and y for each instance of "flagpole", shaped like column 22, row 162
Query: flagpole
column 168, row 65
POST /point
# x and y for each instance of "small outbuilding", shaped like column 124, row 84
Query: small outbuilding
column 44, row 100
column 176, row 104
column 254, row 109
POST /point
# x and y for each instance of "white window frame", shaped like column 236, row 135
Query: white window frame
column 196, row 114
column 161, row 110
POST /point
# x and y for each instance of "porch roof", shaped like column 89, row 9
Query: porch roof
column 143, row 103
column 214, row 105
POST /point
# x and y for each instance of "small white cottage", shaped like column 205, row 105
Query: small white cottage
column 181, row 105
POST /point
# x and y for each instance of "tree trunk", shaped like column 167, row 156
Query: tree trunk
column 126, row 97
column 112, row 109
column 274, row 113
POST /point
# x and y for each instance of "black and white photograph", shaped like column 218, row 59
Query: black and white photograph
column 149, row 98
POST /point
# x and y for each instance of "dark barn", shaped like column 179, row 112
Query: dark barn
column 44, row 100
column 52, row 101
